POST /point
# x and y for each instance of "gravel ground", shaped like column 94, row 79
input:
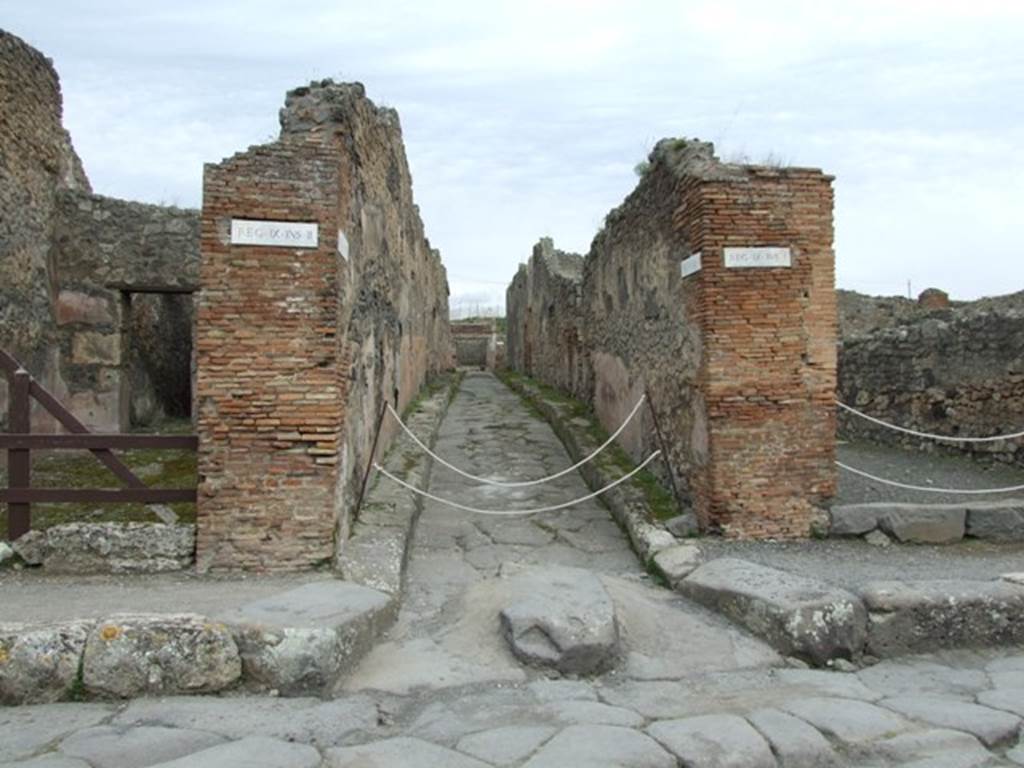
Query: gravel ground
column 853, row 562
column 918, row 468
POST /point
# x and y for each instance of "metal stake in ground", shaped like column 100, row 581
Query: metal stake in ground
column 664, row 449
column 369, row 463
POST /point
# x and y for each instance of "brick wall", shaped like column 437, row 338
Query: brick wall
column 298, row 350
column 739, row 363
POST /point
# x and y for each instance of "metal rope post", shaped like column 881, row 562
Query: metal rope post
column 370, row 462
column 664, row 449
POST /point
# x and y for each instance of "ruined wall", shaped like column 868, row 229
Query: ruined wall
column 475, row 344
column 740, row 363
column 543, row 304
column 36, row 161
column 948, row 372
column 299, row 349
column 63, row 254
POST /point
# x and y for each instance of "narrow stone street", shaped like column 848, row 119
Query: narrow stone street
column 652, row 680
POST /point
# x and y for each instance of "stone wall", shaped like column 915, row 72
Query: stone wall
column 299, row 349
column 543, row 304
column 36, row 161
column 740, row 363
column 68, row 259
column 958, row 371
column 475, row 344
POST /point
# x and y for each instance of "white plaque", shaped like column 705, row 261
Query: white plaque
column 342, row 244
column 690, row 265
column 746, row 258
column 283, row 234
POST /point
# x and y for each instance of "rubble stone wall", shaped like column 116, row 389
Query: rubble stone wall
column 951, row 372
column 299, row 350
column 740, row 364
column 475, row 344
column 63, row 254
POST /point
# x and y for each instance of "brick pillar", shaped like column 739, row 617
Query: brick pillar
column 768, row 372
column 271, row 367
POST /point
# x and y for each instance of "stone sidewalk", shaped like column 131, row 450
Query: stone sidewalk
column 454, row 682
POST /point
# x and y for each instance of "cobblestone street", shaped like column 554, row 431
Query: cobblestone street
column 444, row 689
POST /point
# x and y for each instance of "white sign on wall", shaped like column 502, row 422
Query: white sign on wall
column 690, row 265
column 283, row 234
column 746, row 258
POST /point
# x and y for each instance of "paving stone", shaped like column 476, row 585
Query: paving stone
column 562, row 690
column 816, row 682
column 991, row 726
column 1007, row 699
column 915, row 676
column 795, row 743
column 1008, row 679
column 655, row 700
column 109, row 747
column 1016, row 755
column 134, row 654
column 678, row 562
column 24, row 731
column 1014, row 578
column 798, row 616
column 39, row 664
column 521, row 533
column 250, row 752
column 565, row 620
column 996, row 520
column 399, row 753
column 374, row 556
column 311, row 721
column 505, row 746
column 853, row 519
column 302, row 640
column 48, row 761
column 915, row 616
column 586, row 540
column 601, row 746
column 714, row 741
column 591, row 713
column 919, row 524
column 933, row 749
column 851, row 722
column 1010, row 663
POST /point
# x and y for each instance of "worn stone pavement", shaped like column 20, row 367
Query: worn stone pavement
column 443, row 689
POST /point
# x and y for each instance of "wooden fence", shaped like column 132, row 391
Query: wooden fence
column 19, row 442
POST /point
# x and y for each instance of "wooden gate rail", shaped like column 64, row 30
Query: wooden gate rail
column 19, row 443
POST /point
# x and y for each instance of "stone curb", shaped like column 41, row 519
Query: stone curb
column 626, row 502
column 80, row 548
column 376, row 553
column 820, row 623
column 1001, row 520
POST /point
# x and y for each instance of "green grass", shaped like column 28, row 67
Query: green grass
column 80, row 469
column 660, row 502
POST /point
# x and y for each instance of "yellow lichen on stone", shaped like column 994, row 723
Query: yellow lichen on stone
column 4, row 655
column 110, row 632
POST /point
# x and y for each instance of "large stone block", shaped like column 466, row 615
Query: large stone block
column 997, row 520
column 91, row 348
column 799, row 616
column 563, row 619
column 919, row 524
column 303, row 640
column 714, row 741
column 39, row 664
column 854, row 519
column 77, row 307
column 138, row 654
column 918, row 616
column 110, row 547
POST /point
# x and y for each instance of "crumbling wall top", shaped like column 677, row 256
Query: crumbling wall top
column 325, row 102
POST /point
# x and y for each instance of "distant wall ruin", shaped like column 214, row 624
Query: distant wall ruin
column 476, row 343
column 298, row 349
column 951, row 370
column 739, row 358
column 69, row 260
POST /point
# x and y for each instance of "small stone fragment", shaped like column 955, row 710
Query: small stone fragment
column 683, row 526
column 877, row 539
column 676, row 563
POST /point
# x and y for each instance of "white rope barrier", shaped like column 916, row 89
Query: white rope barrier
column 929, row 435
column 520, row 483
column 515, row 512
column 927, row 488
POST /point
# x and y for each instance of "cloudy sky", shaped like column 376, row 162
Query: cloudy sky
column 526, row 118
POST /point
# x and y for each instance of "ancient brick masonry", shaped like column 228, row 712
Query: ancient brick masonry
column 298, row 349
column 739, row 363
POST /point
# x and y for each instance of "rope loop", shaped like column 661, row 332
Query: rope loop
column 928, row 435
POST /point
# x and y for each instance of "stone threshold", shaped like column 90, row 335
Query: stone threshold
column 627, row 502
column 299, row 642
